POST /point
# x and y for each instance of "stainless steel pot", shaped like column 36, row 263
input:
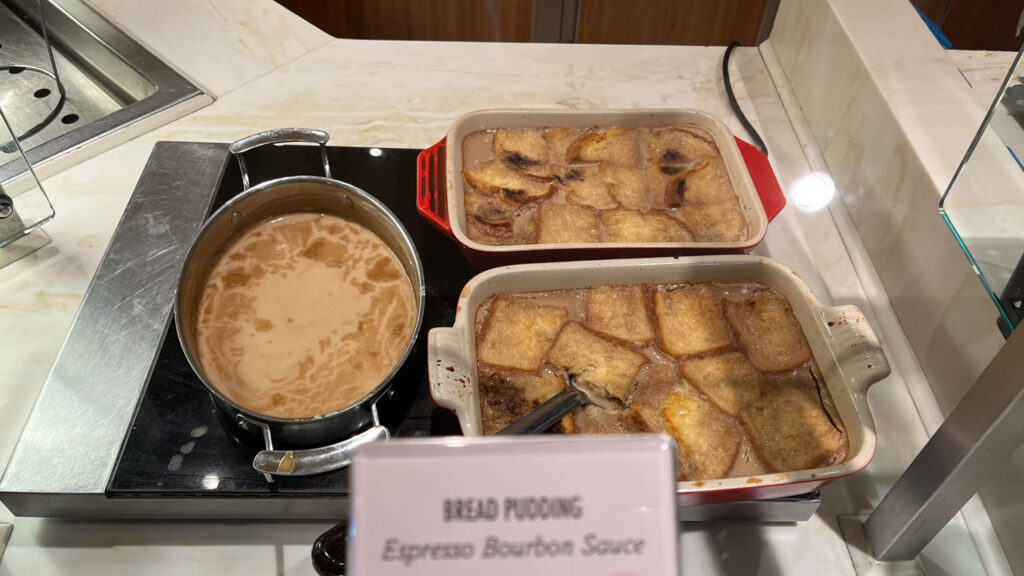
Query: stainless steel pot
column 323, row 442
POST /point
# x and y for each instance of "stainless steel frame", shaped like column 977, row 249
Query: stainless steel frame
column 131, row 73
column 70, row 443
column 981, row 433
column 21, row 233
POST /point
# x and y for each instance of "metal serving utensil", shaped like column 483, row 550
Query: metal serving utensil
column 555, row 408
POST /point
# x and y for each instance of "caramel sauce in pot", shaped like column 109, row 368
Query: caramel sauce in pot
column 304, row 315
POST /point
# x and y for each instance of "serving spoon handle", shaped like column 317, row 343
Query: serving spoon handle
column 547, row 414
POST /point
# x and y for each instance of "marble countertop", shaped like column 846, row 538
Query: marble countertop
column 407, row 94
column 984, row 71
column 218, row 44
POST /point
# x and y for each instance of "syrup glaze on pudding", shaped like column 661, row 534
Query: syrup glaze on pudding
column 304, row 315
column 724, row 368
column 598, row 184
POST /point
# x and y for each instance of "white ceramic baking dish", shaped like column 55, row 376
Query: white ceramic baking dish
column 844, row 347
column 440, row 183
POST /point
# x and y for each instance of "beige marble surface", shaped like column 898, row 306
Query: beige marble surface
column 984, row 70
column 407, row 94
column 893, row 141
column 893, row 127
column 891, row 173
column 219, row 44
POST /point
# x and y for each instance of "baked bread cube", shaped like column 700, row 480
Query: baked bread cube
column 584, row 186
column 678, row 145
column 525, row 228
column 706, row 183
column 709, row 440
column 666, row 183
column 522, row 231
column 710, row 207
column 608, row 367
column 729, row 380
column 518, row 333
column 639, row 421
column 627, row 185
column 507, row 396
column 620, row 312
column 654, row 384
column 559, row 140
column 567, row 223
column 538, row 389
column 497, row 221
column 525, row 143
column 721, row 222
column 594, row 419
column 496, row 178
column 790, row 430
column 633, row 226
column 616, row 146
column 523, row 149
column 495, row 212
column 768, row 331
column 690, row 321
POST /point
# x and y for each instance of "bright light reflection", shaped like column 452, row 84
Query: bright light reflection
column 376, row 152
column 211, row 481
column 813, row 192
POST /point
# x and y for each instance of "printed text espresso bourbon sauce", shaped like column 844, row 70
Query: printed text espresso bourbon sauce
column 304, row 315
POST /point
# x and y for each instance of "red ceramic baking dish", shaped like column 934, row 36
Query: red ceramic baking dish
column 440, row 184
column 844, row 347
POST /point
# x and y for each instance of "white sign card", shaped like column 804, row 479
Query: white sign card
column 601, row 505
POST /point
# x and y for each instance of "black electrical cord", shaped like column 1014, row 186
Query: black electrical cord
column 736, row 105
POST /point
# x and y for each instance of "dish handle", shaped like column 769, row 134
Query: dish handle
column 449, row 369
column 765, row 182
column 431, row 187
column 855, row 346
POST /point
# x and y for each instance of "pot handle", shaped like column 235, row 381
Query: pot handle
column 278, row 136
column 432, row 187
column 855, row 347
column 316, row 460
column 765, row 182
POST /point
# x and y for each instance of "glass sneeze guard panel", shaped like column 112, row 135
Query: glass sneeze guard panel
column 984, row 204
column 24, row 206
column 25, row 110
